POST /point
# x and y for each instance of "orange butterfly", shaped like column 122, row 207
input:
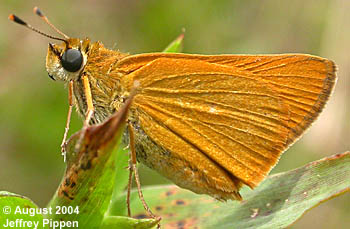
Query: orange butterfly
column 208, row 123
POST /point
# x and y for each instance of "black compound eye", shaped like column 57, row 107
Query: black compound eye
column 71, row 60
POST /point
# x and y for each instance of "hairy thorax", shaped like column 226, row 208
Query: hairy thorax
column 107, row 93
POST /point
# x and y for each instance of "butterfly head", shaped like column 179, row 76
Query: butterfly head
column 64, row 61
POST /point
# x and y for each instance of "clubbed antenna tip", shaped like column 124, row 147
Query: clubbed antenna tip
column 38, row 12
column 16, row 19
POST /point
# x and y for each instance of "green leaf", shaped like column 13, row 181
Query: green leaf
column 176, row 46
column 117, row 206
column 19, row 209
column 276, row 203
column 90, row 176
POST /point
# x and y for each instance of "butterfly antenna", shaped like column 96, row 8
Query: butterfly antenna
column 16, row 19
column 38, row 12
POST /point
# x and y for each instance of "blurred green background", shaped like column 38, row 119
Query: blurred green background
column 33, row 107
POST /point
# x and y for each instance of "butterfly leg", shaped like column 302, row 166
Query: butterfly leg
column 70, row 101
column 129, row 186
column 90, row 110
column 133, row 169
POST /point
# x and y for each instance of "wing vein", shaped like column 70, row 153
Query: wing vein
column 244, row 118
column 189, row 140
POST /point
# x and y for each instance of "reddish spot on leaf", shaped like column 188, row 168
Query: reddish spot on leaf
column 180, row 202
column 170, row 192
column 183, row 224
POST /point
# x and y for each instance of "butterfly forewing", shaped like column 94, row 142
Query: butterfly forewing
column 303, row 81
column 236, row 113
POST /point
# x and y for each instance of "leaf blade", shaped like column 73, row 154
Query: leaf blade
column 176, row 46
column 277, row 203
column 25, row 208
column 89, row 179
